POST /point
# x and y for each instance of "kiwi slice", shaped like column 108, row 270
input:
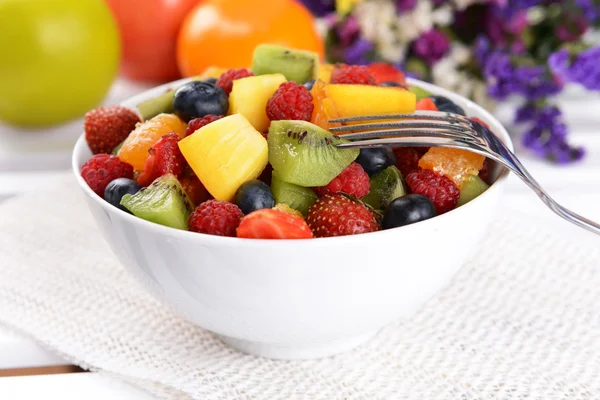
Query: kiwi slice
column 386, row 186
column 297, row 197
column 163, row 202
column 419, row 92
column 296, row 65
column 158, row 105
column 472, row 187
column 305, row 154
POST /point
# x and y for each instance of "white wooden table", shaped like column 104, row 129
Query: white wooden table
column 29, row 160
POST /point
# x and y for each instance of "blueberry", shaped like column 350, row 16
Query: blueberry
column 118, row 188
column 391, row 83
column 254, row 195
column 309, row 84
column 447, row 105
column 376, row 159
column 407, row 210
column 211, row 80
column 198, row 98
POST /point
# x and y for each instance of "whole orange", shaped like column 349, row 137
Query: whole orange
column 224, row 33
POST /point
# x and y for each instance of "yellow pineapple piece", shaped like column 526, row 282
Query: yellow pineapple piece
column 212, row 72
column 250, row 95
column 325, row 71
column 362, row 100
column 455, row 164
column 224, row 154
column 135, row 148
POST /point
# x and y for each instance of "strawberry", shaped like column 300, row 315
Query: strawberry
column 165, row 158
column 106, row 127
column 336, row 215
column 270, row 223
column 384, row 72
column 426, row 104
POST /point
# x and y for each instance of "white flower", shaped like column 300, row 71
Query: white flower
column 412, row 24
column 443, row 15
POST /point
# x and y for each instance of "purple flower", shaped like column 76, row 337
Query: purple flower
column 348, row 31
column 584, row 69
column 319, row 7
column 357, row 52
column 431, row 46
column 572, row 28
column 405, row 5
column 547, row 136
column 517, row 23
column 589, row 8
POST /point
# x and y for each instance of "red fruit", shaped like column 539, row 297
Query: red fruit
column 226, row 79
column 384, row 72
column 215, row 217
column 484, row 173
column 407, row 159
column 426, row 104
column 106, row 127
column 352, row 74
column 336, row 215
column 352, row 180
column 198, row 123
column 269, row 223
column 440, row 190
column 101, row 169
column 195, row 189
column 290, row 101
column 165, row 158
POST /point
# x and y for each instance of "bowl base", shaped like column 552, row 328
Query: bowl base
column 297, row 351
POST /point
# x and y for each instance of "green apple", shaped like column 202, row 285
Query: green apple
column 57, row 59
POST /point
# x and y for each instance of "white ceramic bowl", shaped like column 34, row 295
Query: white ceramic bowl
column 293, row 299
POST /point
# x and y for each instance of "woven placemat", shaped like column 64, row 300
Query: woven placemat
column 521, row 320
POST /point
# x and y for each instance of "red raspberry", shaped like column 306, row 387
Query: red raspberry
column 101, row 169
column 440, row 190
column 216, row 217
column 198, row 123
column 165, row 158
column 352, row 180
column 290, row 101
column 195, row 189
column 352, row 74
column 226, row 79
column 270, row 223
column 407, row 159
column 106, row 127
column 336, row 215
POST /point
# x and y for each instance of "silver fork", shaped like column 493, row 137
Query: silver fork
column 434, row 128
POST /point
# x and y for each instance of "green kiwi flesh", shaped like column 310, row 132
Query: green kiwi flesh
column 163, row 202
column 296, row 65
column 305, row 154
column 297, row 197
column 420, row 93
column 472, row 187
column 386, row 186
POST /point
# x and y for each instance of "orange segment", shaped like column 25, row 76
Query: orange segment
column 135, row 148
column 324, row 108
column 457, row 165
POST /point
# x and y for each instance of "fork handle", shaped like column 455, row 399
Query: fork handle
column 510, row 161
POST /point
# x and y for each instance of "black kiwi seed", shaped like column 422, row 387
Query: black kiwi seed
column 289, row 133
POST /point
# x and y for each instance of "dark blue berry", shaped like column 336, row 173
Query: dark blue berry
column 118, row 188
column 446, row 105
column 254, row 195
column 376, row 159
column 390, row 83
column 407, row 210
column 309, row 84
column 211, row 80
column 198, row 98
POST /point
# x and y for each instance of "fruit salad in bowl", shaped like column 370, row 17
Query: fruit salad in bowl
column 227, row 197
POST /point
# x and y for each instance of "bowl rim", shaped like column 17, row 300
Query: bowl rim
column 131, row 103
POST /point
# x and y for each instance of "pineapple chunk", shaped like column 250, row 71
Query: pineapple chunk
column 325, row 71
column 362, row 100
column 224, row 154
column 250, row 95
